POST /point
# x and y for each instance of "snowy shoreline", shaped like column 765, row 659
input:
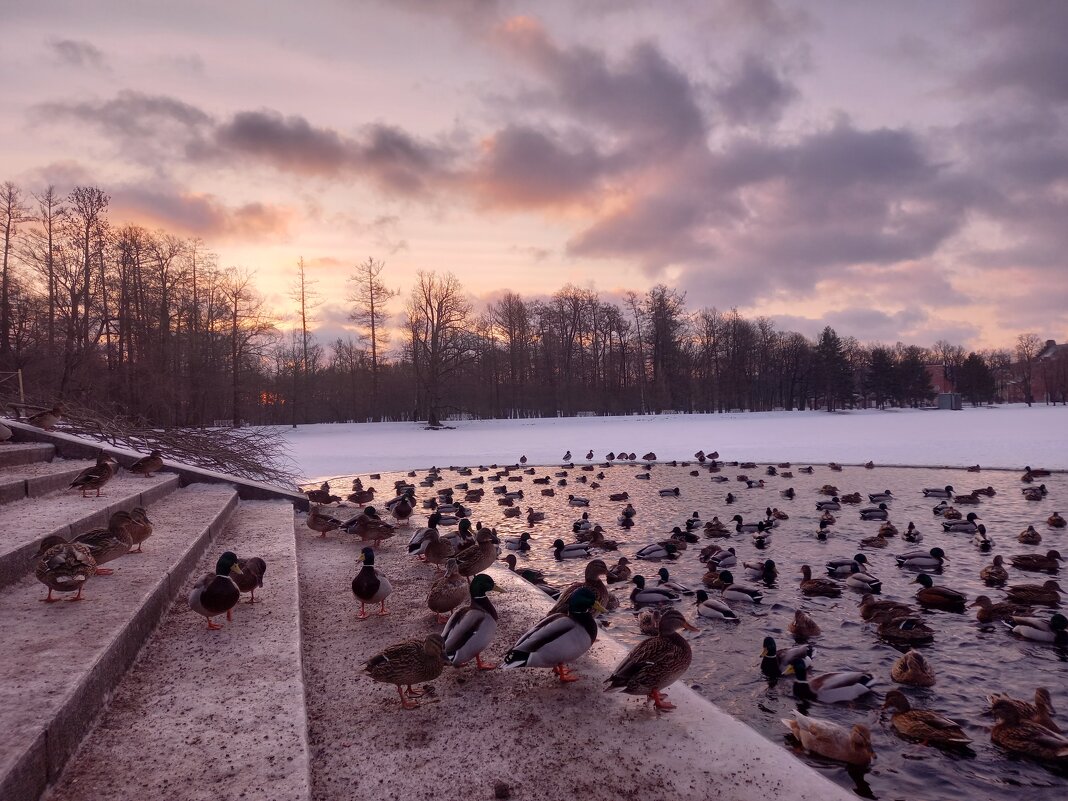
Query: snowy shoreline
column 1007, row 437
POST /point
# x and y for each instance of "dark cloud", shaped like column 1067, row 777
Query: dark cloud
column 755, row 94
column 189, row 213
column 75, row 53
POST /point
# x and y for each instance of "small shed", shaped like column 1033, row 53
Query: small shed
column 949, row 400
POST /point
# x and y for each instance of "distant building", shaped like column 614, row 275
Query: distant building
column 1049, row 376
column 941, row 377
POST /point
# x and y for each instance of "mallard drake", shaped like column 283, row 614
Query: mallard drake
column 859, row 580
column 683, row 537
column 739, row 592
column 48, row 419
column 765, row 571
column 1040, row 712
column 619, row 572
column 666, row 581
column 403, row 508
column 831, row 687
column 1025, row 737
column 879, row 512
column 803, row 627
column 852, row 746
column 912, row 668
column 673, row 492
column 249, row 576
column 140, row 527
column 520, row 543
column 818, row 586
column 922, row 560
column 642, row 595
column 476, row 558
column 774, row 662
column 1044, row 563
column 596, row 569
column 694, row 521
column 748, row 528
column 63, row 566
column 1054, row 630
column 714, row 608
column 655, row 663
column 558, row 638
column 577, row 550
column 823, row 533
column 922, row 724
column 370, row 586
column 582, row 524
column 147, row 465
column 321, row 522
column 574, row 500
column 1029, row 536
column 940, row 508
column 471, row 629
column 216, row 593
column 881, row 497
column 989, row 611
column 983, row 541
column 995, row 574
column 106, row 544
column 420, row 540
column 657, row 550
column 903, row 630
column 879, row 611
column 912, row 534
column 408, row 663
column 95, row 477
column 1055, row 520
column 839, row 568
column 448, row 592
column 833, row 505
column 1046, row 594
column 936, row 492
column 933, row 597
column 966, row 526
column 789, row 493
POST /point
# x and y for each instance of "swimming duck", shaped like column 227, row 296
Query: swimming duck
column 888, row 529
column 905, row 630
column 739, row 592
column 827, row 518
column 1047, row 594
column 370, row 586
column 765, row 571
column 833, row 505
column 1040, row 712
column 655, row 663
column 989, row 611
column 922, row 560
column 952, row 513
column 875, row 512
column 558, row 638
column 628, row 511
column 1035, row 628
column 831, row 687
column 476, row 558
column 642, row 594
column 106, row 544
column 935, row 492
column 818, row 586
column 1029, row 536
column 216, row 593
column 723, row 559
column 912, row 534
column 933, row 597
column 321, row 522
column 774, row 662
column 1048, row 563
column 803, row 627
column 876, row 541
column 995, row 574
column 879, row 611
column 694, row 521
column 95, row 477
column 147, row 465
column 595, row 571
column 657, row 550
column 63, row 566
column 912, row 668
column 852, row 746
column 620, row 571
column 618, row 496
column 1055, row 520
column 983, row 541
column 714, row 608
column 669, row 493
column 852, row 498
column 840, row 568
column 471, row 629
column 714, row 528
column 140, row 527
column 1025, row 737
column 967, row 526
column 859, row 580
column 527, row 574
column 674, row 586
column 881, row 497
column 730, row 498
column 596, row 539
column 789, row 493
column 682, row 538
column 573, row 500
column 922, row 724
column 577, row 550
column 747, row 528
column 249, row 577
column 940, row 508
column 823, row 532
column 520, row 543
column 408, row 663
column 449, row 591
column 582, row 524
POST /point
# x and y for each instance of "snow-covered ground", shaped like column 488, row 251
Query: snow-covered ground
column 1004, row 436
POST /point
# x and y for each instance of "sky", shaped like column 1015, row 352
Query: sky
column 896, row 170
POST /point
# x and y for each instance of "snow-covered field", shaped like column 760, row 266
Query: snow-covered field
column 1004, row 436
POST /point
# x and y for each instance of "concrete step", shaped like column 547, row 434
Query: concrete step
column 38, row 478
column 15, row 453
column 61, row 660
column 25, row 523
column 210, row 714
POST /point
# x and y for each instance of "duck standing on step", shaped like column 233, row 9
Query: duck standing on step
column 250, row 578
column 140, row 527
column 95, row 477
column 559, row 638
column 147, row 465
column 370, row 586
column 216, row 593
column 471, row 629
column 63, row 566
column 655, row 663
column 408, row 663
column 106, row 544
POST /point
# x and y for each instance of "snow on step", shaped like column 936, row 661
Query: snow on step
column 15, row 453
column 60, row 660
column 211, row 714
column 25, row 523
column 38, row 478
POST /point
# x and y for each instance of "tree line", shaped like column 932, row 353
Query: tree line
column 148, row 323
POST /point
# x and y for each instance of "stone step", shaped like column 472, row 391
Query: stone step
column 61, row 660
column 25, row 523
column 16, row 453
column 210, row 714
column 38, row 478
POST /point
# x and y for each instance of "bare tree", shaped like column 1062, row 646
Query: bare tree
column 369, row 296
column 13, row 212
column 88, row 223
column 249, row 326
column 1028, row 346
